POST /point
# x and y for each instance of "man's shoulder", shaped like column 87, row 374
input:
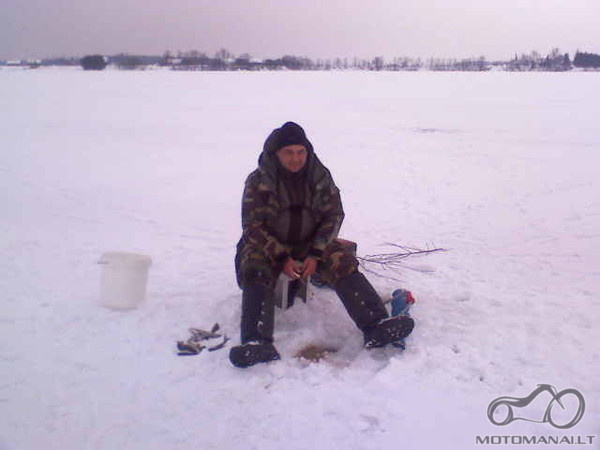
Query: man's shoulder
column 258, row 180
column 324, row 179
column 321, row 175
column 253, row 176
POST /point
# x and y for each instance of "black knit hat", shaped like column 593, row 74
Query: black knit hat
column 290, row 133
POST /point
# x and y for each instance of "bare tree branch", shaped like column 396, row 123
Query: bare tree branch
column 394, row 261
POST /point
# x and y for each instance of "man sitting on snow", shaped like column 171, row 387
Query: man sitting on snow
column 291, row 215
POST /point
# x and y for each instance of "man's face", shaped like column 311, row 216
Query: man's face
column 292, row 157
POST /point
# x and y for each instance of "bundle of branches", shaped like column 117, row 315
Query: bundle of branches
column 394, row 260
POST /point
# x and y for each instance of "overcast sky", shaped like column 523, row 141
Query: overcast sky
column 496, row 29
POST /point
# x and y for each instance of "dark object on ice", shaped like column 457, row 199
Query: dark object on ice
column 401, row 301
column 201, row 335
column 253, row 352
column 189, row 349
column 195, row 344
column 219, row 346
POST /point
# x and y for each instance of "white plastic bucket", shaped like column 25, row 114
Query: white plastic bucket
column 124, row 279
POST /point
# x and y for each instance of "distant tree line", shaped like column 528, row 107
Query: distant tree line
column 586, row 60
column 94, row 62
column 555, row 61
column 224, row 60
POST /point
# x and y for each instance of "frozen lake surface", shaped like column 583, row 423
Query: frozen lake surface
column 501, row 169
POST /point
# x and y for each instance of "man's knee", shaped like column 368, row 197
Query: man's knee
column 254, row 267
column 338, row 262
column 258, row 274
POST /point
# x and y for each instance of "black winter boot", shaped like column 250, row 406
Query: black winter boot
column 251, row 353
column 389, row 331
column 368, row 312
column 258, row 316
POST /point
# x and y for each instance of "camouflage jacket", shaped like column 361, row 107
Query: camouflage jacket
column 266, row 209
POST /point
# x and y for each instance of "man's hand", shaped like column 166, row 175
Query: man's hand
column 295, row 270
column 309, row 267
column 291, row 269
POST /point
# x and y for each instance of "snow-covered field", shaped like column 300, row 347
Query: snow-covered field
column 500, row 169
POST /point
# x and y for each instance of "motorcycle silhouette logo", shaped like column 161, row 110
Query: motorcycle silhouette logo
column 514, row 402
